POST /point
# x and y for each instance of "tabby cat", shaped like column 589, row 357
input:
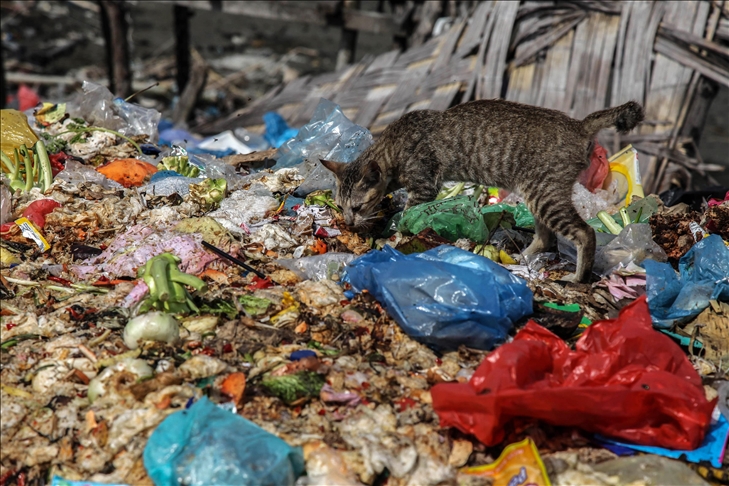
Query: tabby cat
column 535, row 152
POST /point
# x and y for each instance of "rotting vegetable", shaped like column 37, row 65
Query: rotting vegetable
column 31, row 168
column 166, row 285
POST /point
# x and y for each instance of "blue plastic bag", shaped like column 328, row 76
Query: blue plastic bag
column 704, row 276
column 444, row 297
column 277, row 130
column 206, row 445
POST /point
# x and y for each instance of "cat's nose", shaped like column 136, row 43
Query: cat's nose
column 348, row 217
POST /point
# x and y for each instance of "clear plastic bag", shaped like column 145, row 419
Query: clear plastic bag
column 98, row 108
column 704, row 276
column 208, row 445
column 633, row 244
column 328, row 135
column 76, row 173
column 317, row 267
column 444, row 297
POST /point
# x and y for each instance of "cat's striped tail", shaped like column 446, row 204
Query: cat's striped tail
column 624, row 118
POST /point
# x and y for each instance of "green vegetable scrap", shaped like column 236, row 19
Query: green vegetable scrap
column 166, row 286
column 180, row 164
column 290, row 388
column 638, row 212
column 31, row 168
column 80, row 128
column 209, row 193
column 254, row 306
column 219, row 306
column 321, row 198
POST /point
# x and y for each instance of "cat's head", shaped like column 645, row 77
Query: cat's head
column 361, row 185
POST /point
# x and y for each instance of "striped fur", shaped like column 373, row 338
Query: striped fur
column 536, row 152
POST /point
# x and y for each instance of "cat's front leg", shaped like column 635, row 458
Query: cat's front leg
column 420, row 195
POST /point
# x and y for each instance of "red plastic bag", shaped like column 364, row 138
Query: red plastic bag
column 36, row 213
column 594, row 176
column 624, row 380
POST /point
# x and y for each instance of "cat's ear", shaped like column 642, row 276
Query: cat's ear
column 335, row 167
column 373, row 173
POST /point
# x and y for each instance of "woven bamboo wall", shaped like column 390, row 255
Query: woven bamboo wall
column 577, row 57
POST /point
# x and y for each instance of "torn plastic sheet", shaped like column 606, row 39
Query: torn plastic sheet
column 624, row 380
column 444, row 297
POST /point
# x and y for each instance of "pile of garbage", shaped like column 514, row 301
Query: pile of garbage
column 178, row 310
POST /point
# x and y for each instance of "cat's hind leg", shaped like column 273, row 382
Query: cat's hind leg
column 560, row 216
column 544, row 238
column 422, row 182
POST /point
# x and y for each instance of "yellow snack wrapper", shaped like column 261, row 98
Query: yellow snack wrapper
column 519, row 464
column 624, row 169
column 29, row 230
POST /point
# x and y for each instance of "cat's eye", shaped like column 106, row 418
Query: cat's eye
column 356, row 208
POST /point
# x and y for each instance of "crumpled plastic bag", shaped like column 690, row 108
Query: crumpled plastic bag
column 206, row 445
column 623, row 380
column 633, row 244
column 594, row 176
column 522, row 216
column 329, row 135
column 452, row 218
column 704, row 276
column 444, row 297
column 99, row 108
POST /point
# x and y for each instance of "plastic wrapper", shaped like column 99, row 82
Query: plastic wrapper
column 624, row 380
column 633, row 244
column 452, row 218
column 704, row 275
column 519, row 463
column 206, row 445
column 99, row 108
column 328, row 135
column 444, row 297
column 241, row 208
column 317, row 267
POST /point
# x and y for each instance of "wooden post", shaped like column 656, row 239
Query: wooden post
column 114, row 24
column 192, row 92
column 3, row 86
column 182, row 45
column 348, row 41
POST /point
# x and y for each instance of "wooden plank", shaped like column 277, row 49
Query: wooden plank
column 372, row 104
column 554, row 84
column 303, row 12
column 445, row 50
column 474, row 83
column 474, row 32
column 533, row 47
column 632, row 74
column 443, row 96
column 495, row 62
